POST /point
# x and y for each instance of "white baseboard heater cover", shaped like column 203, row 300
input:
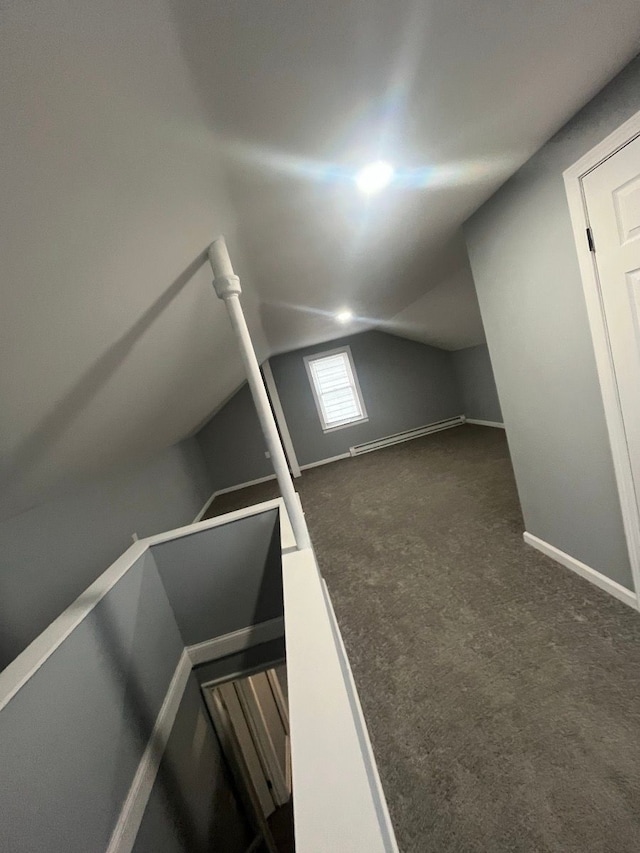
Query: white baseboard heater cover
column 399, row 437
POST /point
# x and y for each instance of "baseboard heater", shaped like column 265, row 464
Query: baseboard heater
column 399, row 437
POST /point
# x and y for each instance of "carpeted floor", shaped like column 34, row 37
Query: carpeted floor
column 501, row 691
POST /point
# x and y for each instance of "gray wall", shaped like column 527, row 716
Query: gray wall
column 51, row 554
column 263, row 656
column 72, row 737
column 192, row 808
column 404, row 384
column 203, row 572
column 524, row 263
column 232, row 443
column 477, row 384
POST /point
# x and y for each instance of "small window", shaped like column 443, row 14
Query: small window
column 335, row 388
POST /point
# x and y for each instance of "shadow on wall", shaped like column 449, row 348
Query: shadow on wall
column 477, row 384
column 265, row 653
column 16, row 470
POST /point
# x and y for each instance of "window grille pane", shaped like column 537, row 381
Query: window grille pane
column 336, row 389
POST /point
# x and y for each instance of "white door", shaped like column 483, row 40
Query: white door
column 251, row 718
column 269, row 726
column 612, row 197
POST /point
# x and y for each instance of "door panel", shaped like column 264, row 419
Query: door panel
column 612, row 197
column 626, row 201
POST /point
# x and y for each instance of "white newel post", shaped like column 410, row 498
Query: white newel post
column 227, row 287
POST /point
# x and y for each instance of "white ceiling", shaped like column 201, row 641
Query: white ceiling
column 131, row 134
column 447, row 315
column 456, row 93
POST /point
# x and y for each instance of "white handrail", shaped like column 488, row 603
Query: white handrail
column 334, row 770
column 227, row 287
column 20, row 670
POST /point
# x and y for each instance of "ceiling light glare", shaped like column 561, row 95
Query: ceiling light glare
column 344, row 316
column 374, row 177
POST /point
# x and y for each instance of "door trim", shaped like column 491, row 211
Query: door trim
column 573, row 178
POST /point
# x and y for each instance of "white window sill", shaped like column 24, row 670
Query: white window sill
column 344, row 426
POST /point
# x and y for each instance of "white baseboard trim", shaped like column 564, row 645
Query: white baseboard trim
column 406, row 435
column 245, row 485
column 597, row 578
column 125, row 832
column 264, row 480
column 236, row 641
column 317, row 464
column 229, row 489
column 325, row 461
column 484, row 423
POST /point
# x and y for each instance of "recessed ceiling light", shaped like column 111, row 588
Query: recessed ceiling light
column 344, row 316
column 374, row 177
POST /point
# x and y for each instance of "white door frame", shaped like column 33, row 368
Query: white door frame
column 573, row 178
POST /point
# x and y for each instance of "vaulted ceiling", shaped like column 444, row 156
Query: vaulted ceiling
column 131, row 134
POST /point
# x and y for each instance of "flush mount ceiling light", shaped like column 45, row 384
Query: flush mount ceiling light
column 344, row 316
column 374, row 177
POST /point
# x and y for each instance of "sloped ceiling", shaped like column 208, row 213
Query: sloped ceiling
column 113, row 342
column 457, row 94
column 131, row 134
column 447, row 315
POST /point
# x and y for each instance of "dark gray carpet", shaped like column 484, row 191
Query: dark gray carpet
column 501, row 691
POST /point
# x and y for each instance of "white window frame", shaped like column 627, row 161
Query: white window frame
column 316, row 356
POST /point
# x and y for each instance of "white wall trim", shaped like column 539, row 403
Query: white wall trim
column 325, row 461
column 605, row 149
column 204, row 509
column 126, row 830
column 228, row 490
column 573, row 178
column 330, row 459
column 245, row 485
column 483, row 423
column 236, row 641
column 20, row 670
column 273, row 476
column 406, row 435
column 278, row 411
column 335, row 746
column 597, row 578
column 255, row 509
